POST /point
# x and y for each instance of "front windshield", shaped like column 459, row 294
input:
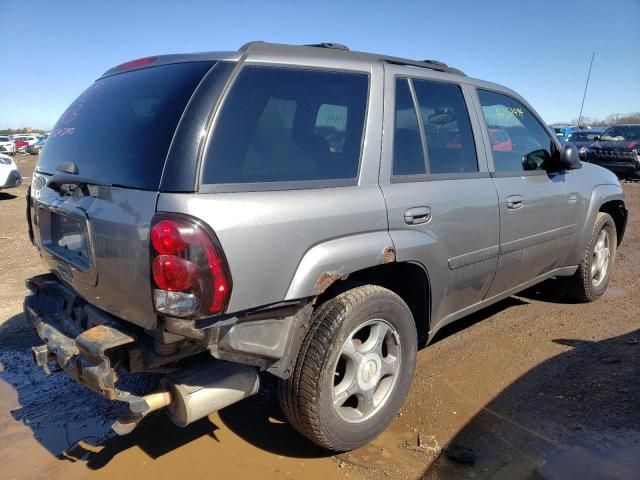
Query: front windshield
column 621, row 134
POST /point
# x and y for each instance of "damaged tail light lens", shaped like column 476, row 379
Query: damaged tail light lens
column 189, row 269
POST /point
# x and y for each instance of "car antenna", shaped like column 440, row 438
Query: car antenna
column 585, row 89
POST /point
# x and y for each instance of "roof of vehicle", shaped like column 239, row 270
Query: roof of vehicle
column 331, row 51
column 316, row 53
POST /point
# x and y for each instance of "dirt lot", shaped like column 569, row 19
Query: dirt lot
column 533, row 388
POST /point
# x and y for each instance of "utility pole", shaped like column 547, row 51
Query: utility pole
column 585, row 89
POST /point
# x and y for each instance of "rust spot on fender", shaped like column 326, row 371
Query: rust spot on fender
column 389, row 255
column 327, row 279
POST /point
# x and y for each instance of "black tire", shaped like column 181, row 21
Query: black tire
column 580, row 286
column 306, row 396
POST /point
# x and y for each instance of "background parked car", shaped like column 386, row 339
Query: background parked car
column 6, row 145
column 35, row 148
column 29, row 138
column 563, row 132
column 9, row 174
column 618, row 149
column 21, row 145
column 583, row 138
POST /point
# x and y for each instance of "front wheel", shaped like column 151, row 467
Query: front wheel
column 354, row 368
column 594, row 272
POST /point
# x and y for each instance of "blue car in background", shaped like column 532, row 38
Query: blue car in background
column 35, row 148
column 563, row 132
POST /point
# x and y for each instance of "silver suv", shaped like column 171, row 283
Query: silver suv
column 309, row 211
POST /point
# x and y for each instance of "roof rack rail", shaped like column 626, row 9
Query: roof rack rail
column 430, row 64
column 436, row 62
column 335, row 46
column 331, row 45
column 248, row 45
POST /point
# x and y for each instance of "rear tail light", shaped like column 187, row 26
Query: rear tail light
column 188, row 267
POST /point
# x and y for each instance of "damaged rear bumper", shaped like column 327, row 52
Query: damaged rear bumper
column 92, row 347
column 91, row 356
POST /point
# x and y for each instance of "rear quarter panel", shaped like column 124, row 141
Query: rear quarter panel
column 279, row 242
column 265, row 236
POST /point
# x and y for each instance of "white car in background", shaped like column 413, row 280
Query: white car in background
column 9, row 174
column 6, row 145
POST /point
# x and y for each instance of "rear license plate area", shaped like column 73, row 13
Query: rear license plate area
column 68, row 239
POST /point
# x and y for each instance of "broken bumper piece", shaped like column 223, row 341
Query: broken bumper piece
column 90, row 357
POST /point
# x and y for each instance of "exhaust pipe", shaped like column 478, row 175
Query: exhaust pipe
column 193, row 394
column 204, row 389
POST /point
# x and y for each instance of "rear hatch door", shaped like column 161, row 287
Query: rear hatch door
column 94, row 191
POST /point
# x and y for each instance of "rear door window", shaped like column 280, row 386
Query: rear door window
column 447, row 128
column 408, row 155
column 119, row 130
column 288, row 124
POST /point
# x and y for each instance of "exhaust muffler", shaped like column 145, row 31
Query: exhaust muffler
column 197, row 392
column 194, row 393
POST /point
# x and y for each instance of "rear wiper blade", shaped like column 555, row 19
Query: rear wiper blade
column 56, row 182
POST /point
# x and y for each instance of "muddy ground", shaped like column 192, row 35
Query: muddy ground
column 532, row 388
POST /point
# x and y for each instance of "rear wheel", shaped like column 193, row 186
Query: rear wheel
column 594, row 272
column 354, row 369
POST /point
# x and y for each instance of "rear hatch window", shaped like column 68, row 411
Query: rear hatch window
column 119, row 130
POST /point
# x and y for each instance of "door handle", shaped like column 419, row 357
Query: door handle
column 515, row 201
column 417, row 215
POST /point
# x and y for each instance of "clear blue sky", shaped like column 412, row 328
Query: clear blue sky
column 52, row 50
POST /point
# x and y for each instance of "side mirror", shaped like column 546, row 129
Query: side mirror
column 570, row 157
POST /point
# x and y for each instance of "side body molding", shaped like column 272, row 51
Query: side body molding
column 334, row 259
